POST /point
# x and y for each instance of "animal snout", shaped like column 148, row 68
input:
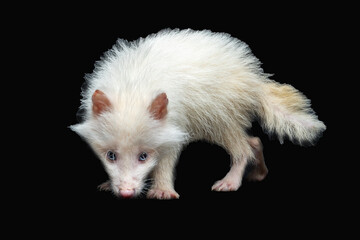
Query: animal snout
column 127, row 193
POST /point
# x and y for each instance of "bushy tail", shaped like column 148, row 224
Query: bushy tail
column 286, row 112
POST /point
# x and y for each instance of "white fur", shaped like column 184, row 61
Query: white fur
column 215, row 88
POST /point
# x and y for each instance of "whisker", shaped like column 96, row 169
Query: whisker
column 147, row 185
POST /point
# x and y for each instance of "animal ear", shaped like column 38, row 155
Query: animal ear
column 158, row 107
column 100, row 102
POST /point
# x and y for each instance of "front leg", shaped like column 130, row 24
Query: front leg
column 163, row 177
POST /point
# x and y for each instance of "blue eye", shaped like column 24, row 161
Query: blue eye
column 143, row 156
column 111, row 156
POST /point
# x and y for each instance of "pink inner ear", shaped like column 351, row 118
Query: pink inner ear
column 158, row 107
column 100, row 102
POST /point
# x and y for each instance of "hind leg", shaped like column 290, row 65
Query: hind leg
column 232, row 180
column 259, row 170
column 240, row 152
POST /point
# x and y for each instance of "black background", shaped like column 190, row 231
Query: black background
column 298, row 44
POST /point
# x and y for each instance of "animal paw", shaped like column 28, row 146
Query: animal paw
column 162, row 194
column 226, row 185
column 257, row 175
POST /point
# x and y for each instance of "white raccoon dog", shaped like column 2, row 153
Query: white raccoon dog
column 147, row 99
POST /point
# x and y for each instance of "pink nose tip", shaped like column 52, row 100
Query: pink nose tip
column 127, row 193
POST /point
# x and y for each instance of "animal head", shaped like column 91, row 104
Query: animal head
column 129, row 136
